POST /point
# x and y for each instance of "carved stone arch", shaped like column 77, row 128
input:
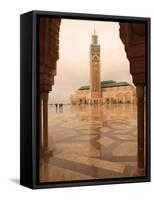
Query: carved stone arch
column 48, row 56
column 133, row 36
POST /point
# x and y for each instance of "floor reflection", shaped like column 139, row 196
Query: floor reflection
column 90, row 142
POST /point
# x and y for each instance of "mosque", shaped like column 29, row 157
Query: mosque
column 102, row 92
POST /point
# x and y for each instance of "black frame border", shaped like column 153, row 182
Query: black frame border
column 29, row 114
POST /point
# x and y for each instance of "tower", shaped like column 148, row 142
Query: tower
column 95, row 85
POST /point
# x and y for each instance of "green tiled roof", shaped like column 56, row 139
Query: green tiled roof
column 84, row 88
column 108, row 84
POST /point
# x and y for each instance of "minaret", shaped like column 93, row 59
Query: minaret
column 95, row 84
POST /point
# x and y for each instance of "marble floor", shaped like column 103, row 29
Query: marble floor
column 91, row 142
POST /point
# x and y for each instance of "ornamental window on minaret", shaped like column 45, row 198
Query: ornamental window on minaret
column 95, row 83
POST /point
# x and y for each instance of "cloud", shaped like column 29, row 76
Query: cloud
column 73, row 65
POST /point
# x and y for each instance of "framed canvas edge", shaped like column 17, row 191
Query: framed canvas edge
column 34, row 97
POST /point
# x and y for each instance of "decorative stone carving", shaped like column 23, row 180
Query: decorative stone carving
column 133, row 37
column 48, row 56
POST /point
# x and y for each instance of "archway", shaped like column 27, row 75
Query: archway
column 133, row 37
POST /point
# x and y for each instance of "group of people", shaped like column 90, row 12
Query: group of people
column 59, row 107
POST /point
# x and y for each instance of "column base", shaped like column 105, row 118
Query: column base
column 139, row 172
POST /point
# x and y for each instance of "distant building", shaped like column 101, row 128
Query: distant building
column 105, row 91
column 111, row 92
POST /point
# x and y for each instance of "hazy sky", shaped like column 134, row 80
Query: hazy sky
column 74, row 64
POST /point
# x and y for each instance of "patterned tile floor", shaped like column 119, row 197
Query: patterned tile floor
column 91, row 142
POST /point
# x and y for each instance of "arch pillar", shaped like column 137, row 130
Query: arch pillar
column 45, row 123
column 48, row 56
column 140, row 117
column 133, row 36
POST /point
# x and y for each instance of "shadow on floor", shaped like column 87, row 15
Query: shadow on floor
column 15, row 180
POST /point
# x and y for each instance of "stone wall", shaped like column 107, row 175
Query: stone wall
column 112, row 95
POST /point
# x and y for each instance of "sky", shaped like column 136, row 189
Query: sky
column 73, row 66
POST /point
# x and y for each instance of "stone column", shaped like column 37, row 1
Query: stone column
column 133, row 36
column 48, row 56
column 45, row 122
column 140, row 125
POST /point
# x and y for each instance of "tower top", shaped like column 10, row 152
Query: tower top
column 94, row 38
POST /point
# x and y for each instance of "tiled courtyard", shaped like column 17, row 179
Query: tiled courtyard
column 91, row 142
